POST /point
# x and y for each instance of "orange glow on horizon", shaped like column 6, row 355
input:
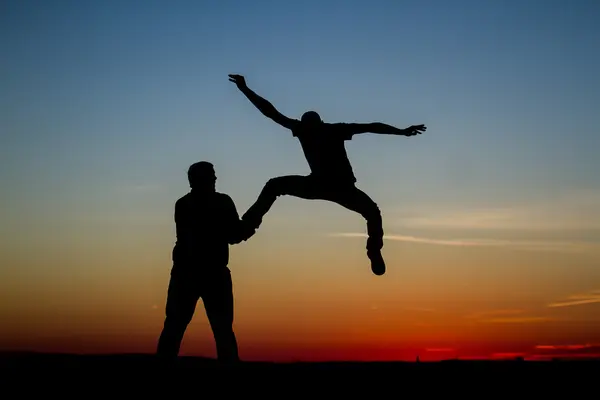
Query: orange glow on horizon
column 322, row 304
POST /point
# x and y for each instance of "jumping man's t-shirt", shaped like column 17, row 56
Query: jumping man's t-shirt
column 325, row 151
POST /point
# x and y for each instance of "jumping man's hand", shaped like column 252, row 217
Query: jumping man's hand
column 414, row 130
column 238, row 80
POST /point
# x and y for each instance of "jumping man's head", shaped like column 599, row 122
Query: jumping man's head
column 202, row 177
column 311, row 118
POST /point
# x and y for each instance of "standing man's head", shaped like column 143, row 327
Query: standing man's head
column 311, row 118
column 202, row 177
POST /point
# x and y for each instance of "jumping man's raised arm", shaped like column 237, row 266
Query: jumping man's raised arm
column 263, row 105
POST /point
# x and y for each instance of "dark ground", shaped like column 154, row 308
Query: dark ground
column 84, row 375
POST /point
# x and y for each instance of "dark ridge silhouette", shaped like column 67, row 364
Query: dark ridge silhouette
column 31, row 359
column 86, row 374
column 206, row 223
column 331, row 177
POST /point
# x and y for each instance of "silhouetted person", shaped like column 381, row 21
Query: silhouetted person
column 331, row 176
column 206, row 223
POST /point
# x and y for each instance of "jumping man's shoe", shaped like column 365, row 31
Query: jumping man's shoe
column 377, row 262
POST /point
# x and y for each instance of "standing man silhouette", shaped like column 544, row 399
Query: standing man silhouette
column 206, row 223
column 331, row 177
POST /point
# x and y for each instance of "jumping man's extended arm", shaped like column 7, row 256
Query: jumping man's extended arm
column 379, row 127
column 263, row 105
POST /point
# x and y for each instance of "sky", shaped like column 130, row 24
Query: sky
column 492, row 216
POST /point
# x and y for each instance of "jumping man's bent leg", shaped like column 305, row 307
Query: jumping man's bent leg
column 358, row 201
column 289, row 185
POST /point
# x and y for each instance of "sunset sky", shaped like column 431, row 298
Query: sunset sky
column 492, row 216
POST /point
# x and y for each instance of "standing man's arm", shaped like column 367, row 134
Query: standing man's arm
column 178, row 235
column 236, row 229
column 178, row 220
column 263, row 105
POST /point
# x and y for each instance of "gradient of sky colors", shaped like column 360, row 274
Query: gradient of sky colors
column 492, row 215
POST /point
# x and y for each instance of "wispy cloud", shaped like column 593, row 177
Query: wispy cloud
column 440, row 350
column 509, row 355
column 549, row 351
column 419, row 309
column 564, row 356
column 578, row 299
column 567, row 346
column 517, row 320
column 505, row 316
column 549, row 245
column 575, row 210
column 493, row 313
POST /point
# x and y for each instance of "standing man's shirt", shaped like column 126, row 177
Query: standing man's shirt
column 206, row 224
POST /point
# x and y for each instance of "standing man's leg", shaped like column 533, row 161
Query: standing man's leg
column 358, row 201
column 290, row 185
column 218, row 301
column 182, row 297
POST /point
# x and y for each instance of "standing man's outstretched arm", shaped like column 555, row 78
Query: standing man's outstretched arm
column 263, row 105
column 236, row 229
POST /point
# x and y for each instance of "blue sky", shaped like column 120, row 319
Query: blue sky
column 105, row 104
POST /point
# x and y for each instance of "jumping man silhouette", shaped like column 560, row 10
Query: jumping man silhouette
column 331, row 178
